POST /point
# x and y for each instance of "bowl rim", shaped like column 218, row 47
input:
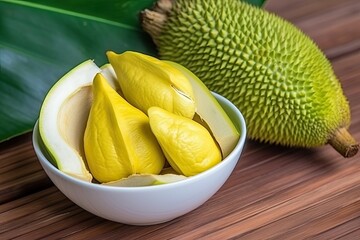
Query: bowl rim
column 36, row 140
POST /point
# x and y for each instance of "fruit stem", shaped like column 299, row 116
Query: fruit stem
column 153, row 20
column 344, row 143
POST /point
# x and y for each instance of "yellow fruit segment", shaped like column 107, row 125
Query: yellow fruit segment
column 147, row 81
column 187, row 145
column 118, row 141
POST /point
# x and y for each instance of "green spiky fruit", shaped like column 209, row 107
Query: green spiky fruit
column 275, row 74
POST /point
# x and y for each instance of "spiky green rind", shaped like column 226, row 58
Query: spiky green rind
column 275, row 74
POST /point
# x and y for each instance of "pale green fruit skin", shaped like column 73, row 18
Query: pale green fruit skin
column 141, row 180
column 60, row 126
column 211, row 113
column 276, row 75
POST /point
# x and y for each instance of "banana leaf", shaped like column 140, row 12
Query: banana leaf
column 41, row 40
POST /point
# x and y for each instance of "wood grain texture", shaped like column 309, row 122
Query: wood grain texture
column 274, row 192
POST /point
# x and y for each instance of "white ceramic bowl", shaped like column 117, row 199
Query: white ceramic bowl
column 151, row 204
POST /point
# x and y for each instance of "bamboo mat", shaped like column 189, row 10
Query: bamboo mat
column 274, row 192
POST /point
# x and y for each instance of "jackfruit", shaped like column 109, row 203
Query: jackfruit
column 275, row 74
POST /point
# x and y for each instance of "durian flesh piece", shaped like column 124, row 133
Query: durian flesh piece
column 118, row 141
column 275, row 74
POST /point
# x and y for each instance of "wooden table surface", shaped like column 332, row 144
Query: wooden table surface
column 274, row 192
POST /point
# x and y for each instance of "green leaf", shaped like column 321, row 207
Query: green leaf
column 258, row 3
column 39, row 43
column 43, row 39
